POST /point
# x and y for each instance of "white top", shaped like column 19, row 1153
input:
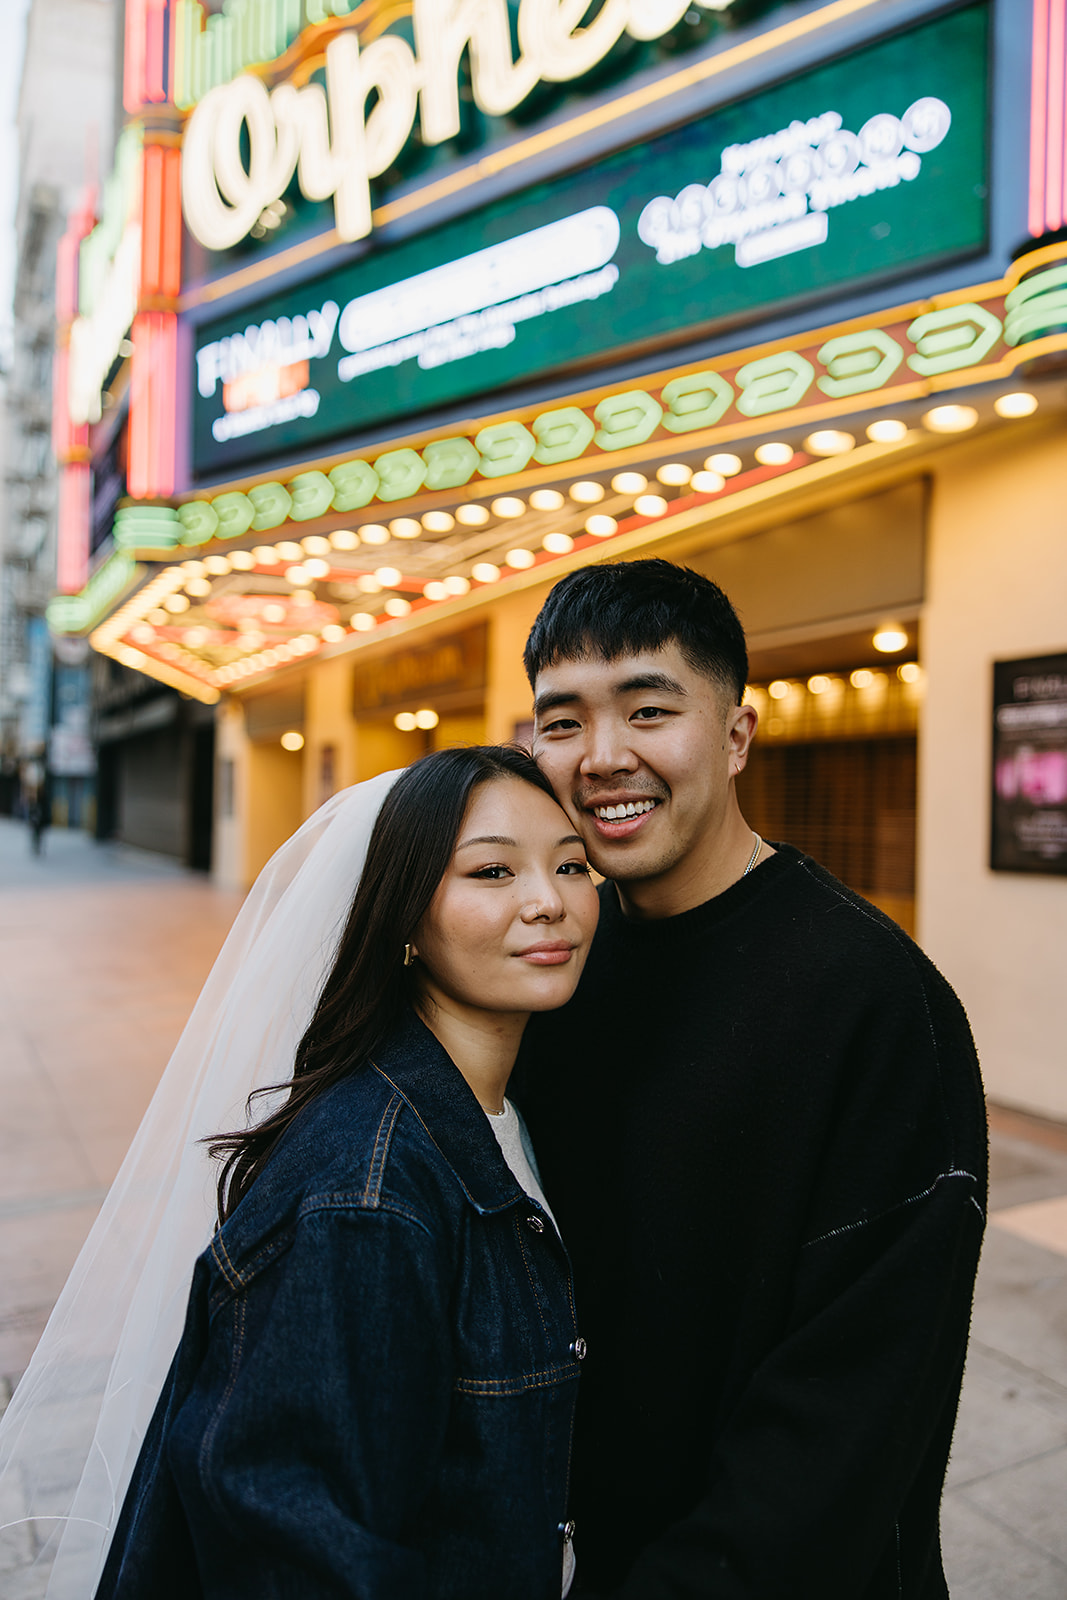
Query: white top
column 517, row 1151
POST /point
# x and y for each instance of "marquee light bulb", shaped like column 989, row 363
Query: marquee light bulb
column 629, row 483
column 520, row 559
column 332, row 633
column 317, row 568
column 775, row 453
column 315, row 545
column 288, row 551
column 217, row 565
column 362, row 622
column 434, row 590
column 405, row 528
column 1020, row 404
column 485, row 572
column 707, row 482
column 674, row 473
column 426, row 719
column 397, row 607
column 472, row 516
column 388, row 577
column 508, row 506
column 374, row 533
column 587, row 492
column 728, row 465
column 557, row 544
column 242, row 560
column 455, row 584
column 887, row 430
column 546, row 500
column 405, row 721
column 176, row 603
column 273, row 612
column 650, row 505
column 195, row 569
column 198, row 588
column 829, row 442
column 889, row 639
column 367, row 583
column 264, row 555
column 297, row 576
column 344, row 539
column 439, row 522
column 601, row 526
column 950, row 419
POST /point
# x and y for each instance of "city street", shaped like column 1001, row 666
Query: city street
column 103, row 951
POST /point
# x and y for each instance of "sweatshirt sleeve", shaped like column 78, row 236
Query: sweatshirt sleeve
column 848, row 1417
column 318, row 1475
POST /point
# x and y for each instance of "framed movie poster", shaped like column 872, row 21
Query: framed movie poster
column 1030, row 765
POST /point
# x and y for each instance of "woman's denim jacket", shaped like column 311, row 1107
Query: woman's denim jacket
column 374, row 1391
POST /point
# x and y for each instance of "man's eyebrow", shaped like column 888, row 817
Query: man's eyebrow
column 651, row 680
column 552, row 699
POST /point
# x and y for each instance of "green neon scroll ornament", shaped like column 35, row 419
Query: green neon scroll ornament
column 695, row 401
column 312, row 495
column 400, row 473
column 272, row 504
column 1037, row 306
column 355, row 483
column 199, row 521
column 627, row 419
column 235, row 512
column 561, row 435
column 858, row 363
column 952, row 338
column 450, row 463
column 504, row 448
column 774, row 383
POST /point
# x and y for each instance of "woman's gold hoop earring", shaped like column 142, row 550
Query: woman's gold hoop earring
column 409, row 955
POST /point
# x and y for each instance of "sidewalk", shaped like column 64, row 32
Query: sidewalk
column 102, row 952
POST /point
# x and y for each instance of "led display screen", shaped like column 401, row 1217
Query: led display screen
column 862, row 168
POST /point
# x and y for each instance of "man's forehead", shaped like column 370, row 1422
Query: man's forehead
column 581, row 670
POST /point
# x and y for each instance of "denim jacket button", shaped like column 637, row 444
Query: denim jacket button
column 536, row 1223
column 578, row 1348
column 567, row 1530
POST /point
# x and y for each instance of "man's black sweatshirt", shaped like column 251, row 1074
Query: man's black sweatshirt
column 760, row 1126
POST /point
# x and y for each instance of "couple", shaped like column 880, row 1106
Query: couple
column 755, row 1133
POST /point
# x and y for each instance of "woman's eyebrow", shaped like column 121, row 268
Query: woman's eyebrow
column 489, row 838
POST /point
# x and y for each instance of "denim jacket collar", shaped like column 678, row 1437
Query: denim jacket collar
column 426, row 1077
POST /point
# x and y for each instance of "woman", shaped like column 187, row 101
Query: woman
column 374, row 1390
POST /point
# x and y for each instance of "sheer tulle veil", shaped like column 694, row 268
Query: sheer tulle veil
column 70, row 1437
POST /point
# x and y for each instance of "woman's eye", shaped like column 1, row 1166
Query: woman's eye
column 492, row 872
column 575, row 868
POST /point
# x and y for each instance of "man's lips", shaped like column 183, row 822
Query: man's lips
column 549, row 954
column 620, row 816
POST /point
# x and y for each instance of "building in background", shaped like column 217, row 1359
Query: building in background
column 411, row 310
column 65, row 122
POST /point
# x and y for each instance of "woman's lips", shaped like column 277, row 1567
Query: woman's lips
column 547, row 955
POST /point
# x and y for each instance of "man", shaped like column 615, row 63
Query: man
column 761, row 1128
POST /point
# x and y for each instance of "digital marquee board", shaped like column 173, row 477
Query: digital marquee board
column 864, row 167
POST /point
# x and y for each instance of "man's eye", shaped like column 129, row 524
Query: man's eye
column 492, row 873
column 559, row 725
column 647, row 713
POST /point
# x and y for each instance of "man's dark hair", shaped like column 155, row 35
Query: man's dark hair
column 624, row 608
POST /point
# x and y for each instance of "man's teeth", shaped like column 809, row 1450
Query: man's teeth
column 616, row 813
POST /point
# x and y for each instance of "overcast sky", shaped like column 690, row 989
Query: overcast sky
column 12, row 40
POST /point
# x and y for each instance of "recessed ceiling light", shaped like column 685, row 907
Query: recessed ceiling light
column 890, row 638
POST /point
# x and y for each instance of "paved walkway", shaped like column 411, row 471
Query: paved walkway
column 102, row 952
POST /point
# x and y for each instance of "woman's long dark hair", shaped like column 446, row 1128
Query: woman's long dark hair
column 368, row 986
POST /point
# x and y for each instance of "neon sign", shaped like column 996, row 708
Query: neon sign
column 327, row 138
column 563, row 273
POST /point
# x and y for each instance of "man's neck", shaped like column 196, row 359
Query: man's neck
column 698, row 877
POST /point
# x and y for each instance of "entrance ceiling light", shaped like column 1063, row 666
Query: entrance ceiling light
column 950, row 419
column 1020, row 404
column 890, row 638
column 292, row 740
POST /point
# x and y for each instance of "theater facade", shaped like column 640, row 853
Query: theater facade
column 393, row 314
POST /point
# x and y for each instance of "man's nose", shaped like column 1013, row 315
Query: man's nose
column 607, row 750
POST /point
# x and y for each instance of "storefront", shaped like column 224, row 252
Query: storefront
column 435, row 304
